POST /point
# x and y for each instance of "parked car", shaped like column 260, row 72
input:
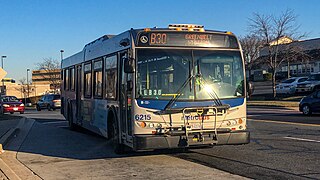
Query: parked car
column 11, row 104
column 289, row 86
column 310, row 103
column 310, row 85
column 49, row 101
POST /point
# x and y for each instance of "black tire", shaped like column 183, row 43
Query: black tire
column 11, row 112
column 38, row 108
column 72, row 126
column 306, row 110
column 118, row 148
column 22, row 112
column 316, row 88
column 49, row 107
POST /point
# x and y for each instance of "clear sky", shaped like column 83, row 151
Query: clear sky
column 31, row 30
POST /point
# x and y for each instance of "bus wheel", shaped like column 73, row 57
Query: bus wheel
column 72, row 126
column 118, row 148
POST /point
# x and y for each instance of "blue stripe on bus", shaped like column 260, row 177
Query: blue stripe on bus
column 160, row 104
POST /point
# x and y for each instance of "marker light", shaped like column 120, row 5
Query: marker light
column 142, row 124
column 147, row 29
column 240, row 121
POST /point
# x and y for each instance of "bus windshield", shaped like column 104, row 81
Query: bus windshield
column 161, row 73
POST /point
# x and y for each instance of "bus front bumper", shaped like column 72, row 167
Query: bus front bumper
column 148, row 142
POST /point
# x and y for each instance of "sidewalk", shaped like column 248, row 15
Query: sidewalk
column 10, row 167
column 8, row 128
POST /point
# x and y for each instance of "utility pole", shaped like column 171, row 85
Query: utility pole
column 2, row 89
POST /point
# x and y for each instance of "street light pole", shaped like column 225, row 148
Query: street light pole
column 61, row 53
column 2, row 89
column 28, row 82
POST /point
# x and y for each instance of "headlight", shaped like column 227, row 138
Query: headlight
column 6, row 105
column 21, row 105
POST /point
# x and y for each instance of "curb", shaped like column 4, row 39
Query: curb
column 11, row 167
column 9, row 134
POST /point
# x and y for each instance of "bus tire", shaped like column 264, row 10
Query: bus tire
column 72, row 126
column 117, row 147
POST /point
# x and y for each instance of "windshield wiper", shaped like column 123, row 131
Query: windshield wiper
column 213, row 95
column 179, row 92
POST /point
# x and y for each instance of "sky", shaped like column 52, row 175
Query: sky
column 32, row 30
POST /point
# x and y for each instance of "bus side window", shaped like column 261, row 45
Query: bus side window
column 66, row 79
column 97, row 78
column 111, row 76
column 87, row 80
column 71, row 77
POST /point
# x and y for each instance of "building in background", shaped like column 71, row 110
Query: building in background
column 23, row 90
column 47, row 77
column 300, row 58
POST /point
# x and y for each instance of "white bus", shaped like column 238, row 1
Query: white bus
column 158, row 88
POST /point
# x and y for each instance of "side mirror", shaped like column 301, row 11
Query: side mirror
column 129, row 65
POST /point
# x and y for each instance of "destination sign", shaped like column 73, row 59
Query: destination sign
column 187, row 39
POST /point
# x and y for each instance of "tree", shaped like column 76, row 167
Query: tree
column 51, row 68
column 271, row 29
column 251, row 45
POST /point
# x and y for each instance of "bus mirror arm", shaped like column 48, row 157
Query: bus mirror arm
column 129, row 65
column 129, row 85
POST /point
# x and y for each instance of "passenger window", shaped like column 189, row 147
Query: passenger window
column 71, row 79
column 111, row 76
column 66, row 80
column 98, row 78
column 87, row 80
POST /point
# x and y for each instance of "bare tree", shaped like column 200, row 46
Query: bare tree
column 271, row 29
column 22, row 88
column 251, row 45
column 51, row 69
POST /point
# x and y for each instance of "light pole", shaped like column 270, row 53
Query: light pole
column 2, row 89
column 61, row 53
column 28, row 81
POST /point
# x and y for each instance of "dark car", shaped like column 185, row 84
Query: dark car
column 310, row 103
column 49, row 101
column 11, row 104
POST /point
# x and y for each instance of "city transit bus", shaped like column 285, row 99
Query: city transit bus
column 158, row 88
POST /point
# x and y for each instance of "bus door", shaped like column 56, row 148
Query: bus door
column 78, row 94
column 125, row 100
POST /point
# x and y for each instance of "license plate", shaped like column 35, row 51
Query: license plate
column 15, row 109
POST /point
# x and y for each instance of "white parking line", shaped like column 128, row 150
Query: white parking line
column 282, row 122
column 301, row 139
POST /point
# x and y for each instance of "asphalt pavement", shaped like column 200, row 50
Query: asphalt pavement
column 46, row 151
